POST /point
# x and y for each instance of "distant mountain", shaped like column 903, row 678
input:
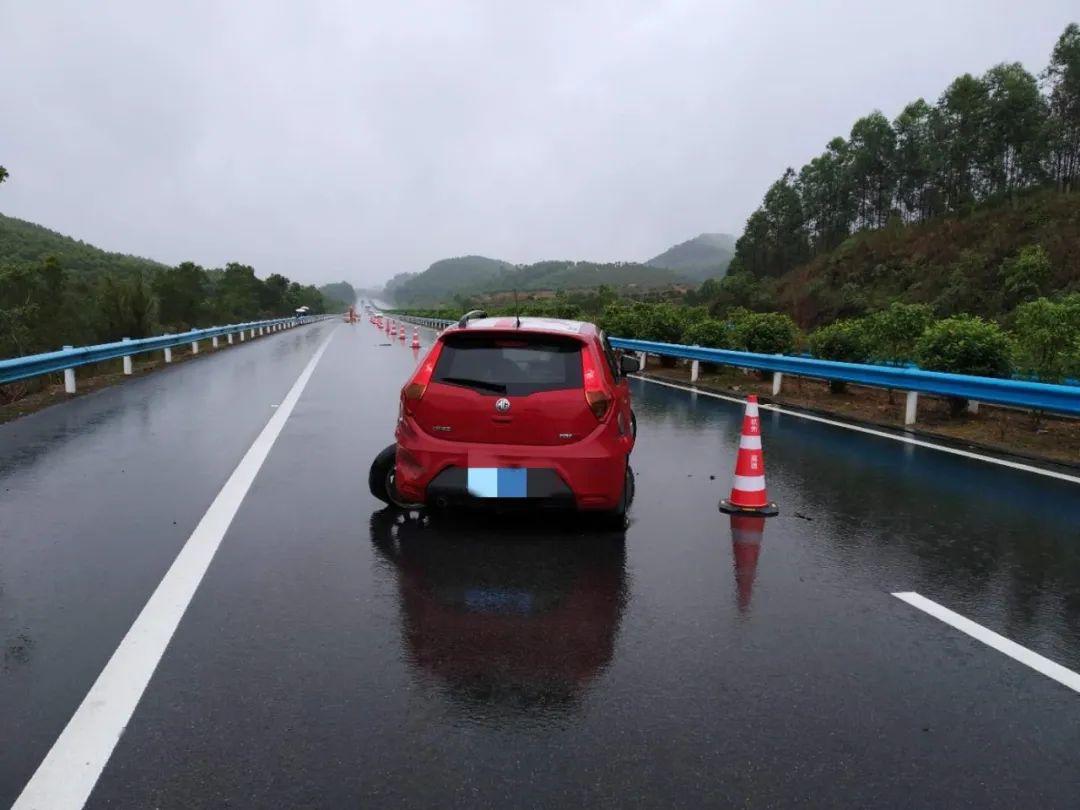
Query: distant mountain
column 472, row 275
column 704, row 256
column 24, row 244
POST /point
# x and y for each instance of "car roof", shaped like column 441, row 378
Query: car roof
column 529, row 323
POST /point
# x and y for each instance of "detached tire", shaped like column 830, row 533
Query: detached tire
column 381, row 479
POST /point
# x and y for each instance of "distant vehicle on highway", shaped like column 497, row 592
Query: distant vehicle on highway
column 511, row 412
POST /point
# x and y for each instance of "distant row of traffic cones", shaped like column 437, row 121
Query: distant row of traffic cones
column 394, row 330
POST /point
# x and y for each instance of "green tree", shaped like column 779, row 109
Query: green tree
column 872, row 148
column 3, row 174
column 916, row 162
column 963, row 110
column 766, row 333
column 893, row 332
column 710, row 333
column 181, row 293
column 1062, row 78
column 1047, row 338
column 965, row 344
column 846, row 341
column 1015, row 123
column 1024, row 275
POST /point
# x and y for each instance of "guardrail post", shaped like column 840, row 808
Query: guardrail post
column 168, row 354
column 910, row 406
column 127, row 360
column 230, row 336
column 777, row 381
column 69, row 375
column 972, row 406
column 695, row 366
column 252, row 333
column 214, row 342
column 194, row 347
column 643, row 359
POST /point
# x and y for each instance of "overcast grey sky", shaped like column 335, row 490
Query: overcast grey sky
column 330, row 140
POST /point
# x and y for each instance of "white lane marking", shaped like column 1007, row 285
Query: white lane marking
column 1050, row 669
column 1074, row 479
column 70, row 770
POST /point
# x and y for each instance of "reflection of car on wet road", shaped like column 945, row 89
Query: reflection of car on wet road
column 510, row 619
column 513, row 411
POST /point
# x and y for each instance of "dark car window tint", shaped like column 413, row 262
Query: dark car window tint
column 513, row 364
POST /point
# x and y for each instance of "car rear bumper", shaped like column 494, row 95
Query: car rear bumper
column 588, row 475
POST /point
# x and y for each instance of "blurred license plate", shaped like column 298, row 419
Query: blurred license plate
column 498, row 482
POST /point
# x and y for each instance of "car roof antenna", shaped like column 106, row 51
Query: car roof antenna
column 517, row 310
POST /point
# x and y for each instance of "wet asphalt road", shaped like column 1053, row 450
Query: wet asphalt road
column 334, row 657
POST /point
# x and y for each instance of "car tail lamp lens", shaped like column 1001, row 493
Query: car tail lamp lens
column 596, row 395
column 419, row 383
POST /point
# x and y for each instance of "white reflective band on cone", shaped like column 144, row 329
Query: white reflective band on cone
column 748, row 483
column 751, row 409
column 750, row 443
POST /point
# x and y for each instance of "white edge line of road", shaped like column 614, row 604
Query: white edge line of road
column 1052, row 670
column 1016, row 465
column 67, row 775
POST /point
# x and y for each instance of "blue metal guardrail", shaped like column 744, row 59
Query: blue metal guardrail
column 34, row 365
column 1017, row 393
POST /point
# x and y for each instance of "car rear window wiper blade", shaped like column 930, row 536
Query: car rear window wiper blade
column 498, row 388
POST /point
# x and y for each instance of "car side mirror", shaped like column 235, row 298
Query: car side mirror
column 628, row 364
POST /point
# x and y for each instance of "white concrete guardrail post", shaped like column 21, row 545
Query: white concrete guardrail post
column 242, row 338
column 695, row 366
column 777, row 381
column 194, row 347
column 128, row 369
column 214, row 341
column 910, row 407
column 643, row 359
column 972, row 406
column 251, row 334
column 69, row 376
column 230, row 338
column 168, row 354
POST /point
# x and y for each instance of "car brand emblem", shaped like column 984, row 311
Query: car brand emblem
column 502, row 404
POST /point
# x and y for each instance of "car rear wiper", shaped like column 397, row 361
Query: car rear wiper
column 487, row 386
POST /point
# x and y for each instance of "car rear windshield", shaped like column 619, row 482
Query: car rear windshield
column 512, row 364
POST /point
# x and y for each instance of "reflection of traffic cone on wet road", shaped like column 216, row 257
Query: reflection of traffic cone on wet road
column 748, row 495
column 415, row 338
column 746, row 534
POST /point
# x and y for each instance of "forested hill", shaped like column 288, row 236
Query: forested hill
column 474, row 275
column 967, row 203
column 705, row 256
column 55, row 290
column 24, row 244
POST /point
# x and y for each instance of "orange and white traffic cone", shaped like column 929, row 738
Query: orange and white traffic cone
column 401, row 333
column 415, row 338
column 393, row 329
column 748, row 494
column 746, row 535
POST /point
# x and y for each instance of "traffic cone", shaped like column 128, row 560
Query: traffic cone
column 393, row 329
column 415, row 338
column 746, row 535
column 401, row 333
column 748, row 495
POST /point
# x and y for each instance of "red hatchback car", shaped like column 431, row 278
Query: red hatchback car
column 514, row 411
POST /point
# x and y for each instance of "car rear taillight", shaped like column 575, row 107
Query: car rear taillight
column 596, row 395
column 416, row 387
